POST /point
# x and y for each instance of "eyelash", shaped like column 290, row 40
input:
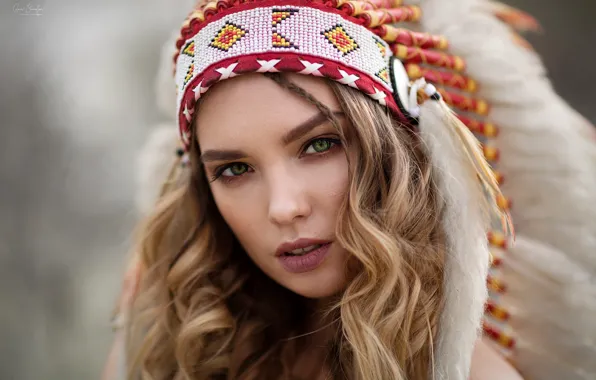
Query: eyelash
column 217, row 175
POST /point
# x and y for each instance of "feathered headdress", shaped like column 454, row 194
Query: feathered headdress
column 367, row 46
column 415, row 58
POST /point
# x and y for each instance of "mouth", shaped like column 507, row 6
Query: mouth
column 300, row 247
column 303, row 255
column 302, row 251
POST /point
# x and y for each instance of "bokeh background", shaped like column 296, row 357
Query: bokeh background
column 77, row 100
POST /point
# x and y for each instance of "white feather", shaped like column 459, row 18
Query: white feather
column 548, row 158
column 467, row 254
column 552, row 312
column 165, row 87
column 154, row 162
column 548, row 162
column 157, row 156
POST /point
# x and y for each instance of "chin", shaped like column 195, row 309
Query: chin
column 317, row 284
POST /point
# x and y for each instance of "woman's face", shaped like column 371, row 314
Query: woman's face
column 278, row 174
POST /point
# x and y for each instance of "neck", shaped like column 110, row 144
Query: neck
column 324, row 320
column 315, row 342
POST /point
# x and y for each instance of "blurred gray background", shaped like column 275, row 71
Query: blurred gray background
column 76, row 101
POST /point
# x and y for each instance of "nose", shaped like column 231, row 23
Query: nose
column 288, row 199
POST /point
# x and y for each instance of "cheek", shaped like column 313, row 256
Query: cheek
column 324, row 184
column 329, row 185
column 242, row 212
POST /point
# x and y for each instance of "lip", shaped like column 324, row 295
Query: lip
column 296, row 244
column 304, row 263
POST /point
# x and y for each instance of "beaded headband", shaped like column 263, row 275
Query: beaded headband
column 351, row 42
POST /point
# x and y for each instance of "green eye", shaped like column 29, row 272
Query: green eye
column 235, row 169
column 319, row 146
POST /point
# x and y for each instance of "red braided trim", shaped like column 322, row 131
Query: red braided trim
column 289, row 62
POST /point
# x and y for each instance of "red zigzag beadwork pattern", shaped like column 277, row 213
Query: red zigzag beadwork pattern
column 277, row 17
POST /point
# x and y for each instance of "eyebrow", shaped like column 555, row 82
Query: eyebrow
column 310, row 124
column 291, row 136
column 221, row 155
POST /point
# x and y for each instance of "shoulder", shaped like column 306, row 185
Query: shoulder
column 488, row 364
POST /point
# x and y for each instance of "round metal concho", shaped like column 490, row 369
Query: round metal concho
column 400, row 82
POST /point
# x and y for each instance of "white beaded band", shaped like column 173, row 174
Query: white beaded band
column 301, row 39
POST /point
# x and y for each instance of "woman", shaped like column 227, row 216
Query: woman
column 270, row 184
column 315, row 234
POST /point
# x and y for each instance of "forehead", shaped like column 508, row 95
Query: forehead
column 254, row 104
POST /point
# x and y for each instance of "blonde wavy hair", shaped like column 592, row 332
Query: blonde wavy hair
column 205, row 311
